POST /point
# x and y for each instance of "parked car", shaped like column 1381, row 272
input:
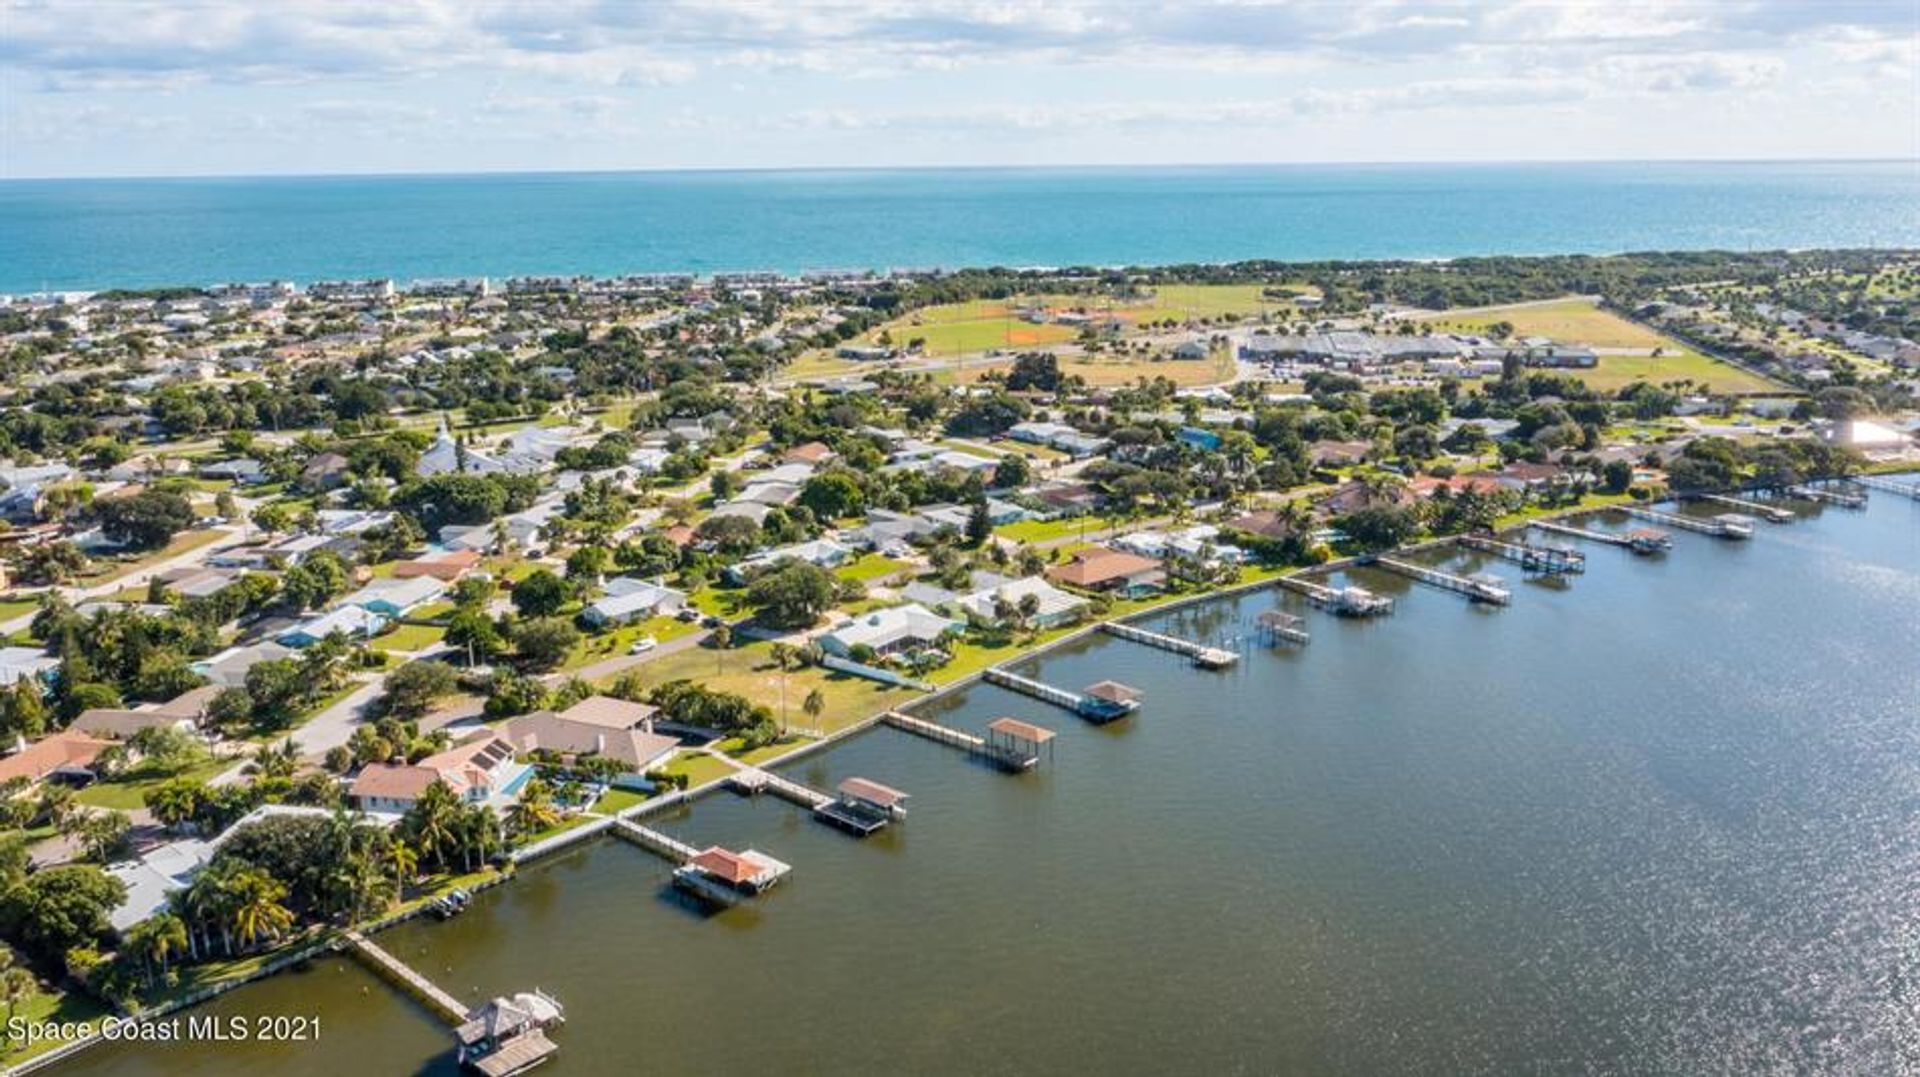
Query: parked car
column 643, row 645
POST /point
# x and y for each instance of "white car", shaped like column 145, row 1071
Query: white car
column 643, row 645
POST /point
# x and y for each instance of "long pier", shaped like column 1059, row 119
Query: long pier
column 655, row 842
column 437, row 999
column 1092, row 708
column 1550, row 560
column 1845, row 499
column 752, row 780
column 1891, row 486
column 1203, row 656
column 1000, row 755
column 1487, row 589
column 1341, row 601
column 1646, row 540
column 1727, row 526
column 1773, row 514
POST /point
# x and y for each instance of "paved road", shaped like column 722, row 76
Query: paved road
column 77, row 595
column 332, row 727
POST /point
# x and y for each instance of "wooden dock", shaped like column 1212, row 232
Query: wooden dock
column 1645, row 540
column 1090, row 707
column 1279, row 626
column 1846, row 499
column 1727, row 526
column 1202, row 655
column 1891, row 486
column 401, row 974
column 1339, row 601
column 753, row 780
column 1547, row 560
column 655, row 842
column 1773, row 514
column 1001, row 756
column 1490, row 590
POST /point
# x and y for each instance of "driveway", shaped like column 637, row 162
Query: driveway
column 335, row 725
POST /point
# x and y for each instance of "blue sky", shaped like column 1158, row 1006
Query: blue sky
column 133, row 87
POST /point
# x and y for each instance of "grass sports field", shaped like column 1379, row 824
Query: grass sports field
column 1580, row 321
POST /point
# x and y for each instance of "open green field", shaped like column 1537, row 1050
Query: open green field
column 869, row 567
column 1581, row 321
column 749, row 670
column 130, row 794
column 613, row 644
column 107, row 569
column 409, row 637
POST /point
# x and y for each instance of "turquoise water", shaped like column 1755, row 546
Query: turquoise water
column 101, row 233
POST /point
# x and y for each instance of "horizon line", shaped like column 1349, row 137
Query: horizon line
column 984, row 167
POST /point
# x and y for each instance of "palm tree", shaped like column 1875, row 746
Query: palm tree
column 16, row 984
column 275, row 762
column 257, row 913
column 432, row 822
column 535, row 810
column 815, row 705
column 157, row 940
column 404, row 862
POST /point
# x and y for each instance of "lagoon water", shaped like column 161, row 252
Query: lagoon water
column 1665, row 819
column 92, row 234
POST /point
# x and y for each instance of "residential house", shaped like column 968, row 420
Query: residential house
column 479, row 770
column 228, row 669
column 350, row 621
column 1101, row 569
column 325, row 471
column 598, row 725
column 821, row 553
column 1055, row 607
column 628, row 600
column 20, row 663
column 889, row 631
column 446, row 566
column 66, row 756
column 394, row 598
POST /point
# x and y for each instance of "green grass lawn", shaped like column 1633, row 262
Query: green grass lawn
column 1581, row 321
column 613, row 644
column 699, row 768
column 11, row 608
column 55, row 1005
column 748, row 670
column 112, row 569
column 128, row 794
column 1048, row 530
column 615, row 800
column 716, row 601
column 870, row 567
column 409, row 637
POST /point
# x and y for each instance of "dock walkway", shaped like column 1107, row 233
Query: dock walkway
column 437, row 999
column 655, row 842
column 754, row 780
column 1487, row 589
column 1728, row 526
column 1001, row 756
column 1645, row 540
column 1548, row 560
column 1773, row 514
column 1340, row 601
column 1203, row 656
column 1846, row 499
column 1092, row 708
column 1891, row 486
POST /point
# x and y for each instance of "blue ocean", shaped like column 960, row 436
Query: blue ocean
column 90, row 234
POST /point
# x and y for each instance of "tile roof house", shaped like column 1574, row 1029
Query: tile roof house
column 67, row 754
column 447, row 566
column 597, row 725
column 1101, row 569
column 479, row 769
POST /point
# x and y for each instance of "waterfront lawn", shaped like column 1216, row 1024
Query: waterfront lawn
column 618, row 800
column 1538, row 512
column 11, row 608
column 737, row 748
column 749, row 670
column 50, row 1006
column 699, row 767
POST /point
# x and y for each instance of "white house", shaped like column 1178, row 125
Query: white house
column 628, row 599
column 1056, row 607
column 886, row 631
